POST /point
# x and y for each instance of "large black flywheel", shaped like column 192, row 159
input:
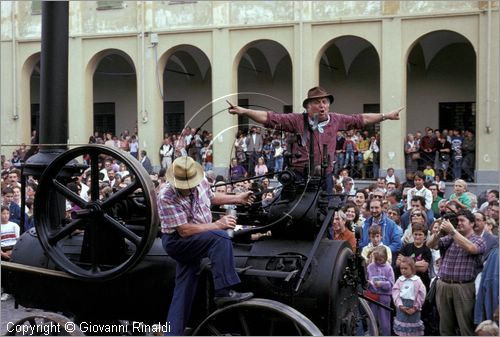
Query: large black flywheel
column 105, row 233
column 257, row 317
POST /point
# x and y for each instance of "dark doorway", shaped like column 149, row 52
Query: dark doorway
column 173, row 117
column 35, row 116
column 104, row 118
column 243, row 120
column 457, row 116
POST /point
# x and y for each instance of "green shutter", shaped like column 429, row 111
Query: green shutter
column 179, row 2
column 36, row 7
column 109, row 4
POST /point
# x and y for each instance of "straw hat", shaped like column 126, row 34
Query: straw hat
column 316, row 92
column 185, row 173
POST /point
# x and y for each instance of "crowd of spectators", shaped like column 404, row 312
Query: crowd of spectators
column 444, row 155
column 451, row 242
column 406, row 218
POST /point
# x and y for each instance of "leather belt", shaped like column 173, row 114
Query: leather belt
column 456, row 282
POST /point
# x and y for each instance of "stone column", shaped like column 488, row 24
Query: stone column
column 487, row 119
column 392, row 96
column 224, row 86
column 81, row 120
column 150, row 117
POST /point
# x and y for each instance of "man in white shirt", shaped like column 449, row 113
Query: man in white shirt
column 166, row 153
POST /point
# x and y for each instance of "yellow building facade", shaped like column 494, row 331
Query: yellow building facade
column 158, row 65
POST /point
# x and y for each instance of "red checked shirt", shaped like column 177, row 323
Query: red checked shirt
column 457, row 264
column 294, row 122
column 176, row 210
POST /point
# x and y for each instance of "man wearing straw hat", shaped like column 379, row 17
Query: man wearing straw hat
column 323, row 123
column 189, row 234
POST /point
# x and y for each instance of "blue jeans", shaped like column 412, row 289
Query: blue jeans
column 188, row 252
column 457, row 168
column 278, row 164
column 339, row 161
column 349, row 157
column 468, row 165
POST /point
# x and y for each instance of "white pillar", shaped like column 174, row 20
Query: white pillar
column 392, row 96
column 224, row 86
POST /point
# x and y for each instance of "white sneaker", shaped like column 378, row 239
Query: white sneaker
column 4, row 297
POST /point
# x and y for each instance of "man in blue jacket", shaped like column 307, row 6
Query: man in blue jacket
column 391, row 233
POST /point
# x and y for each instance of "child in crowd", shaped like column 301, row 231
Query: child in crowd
column 418, row 251
column 349, row 149
column 408, row 294
column 380, row 282
column 375, row 236
column 133, row 146
column 429, row 173
column 207, row 156
column 9, row 234
column 260, row 168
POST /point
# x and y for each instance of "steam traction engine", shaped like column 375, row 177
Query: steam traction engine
column 103, row 262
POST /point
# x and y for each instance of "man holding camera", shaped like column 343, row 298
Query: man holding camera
column 461, row 251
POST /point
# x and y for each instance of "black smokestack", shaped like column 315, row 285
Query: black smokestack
column 54, row 74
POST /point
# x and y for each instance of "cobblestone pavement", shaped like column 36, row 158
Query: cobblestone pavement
column 11, row 314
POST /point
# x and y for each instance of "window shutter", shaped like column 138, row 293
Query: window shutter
column 109, row 4
column 36, row 7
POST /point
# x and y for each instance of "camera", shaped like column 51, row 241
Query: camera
column 452, row 218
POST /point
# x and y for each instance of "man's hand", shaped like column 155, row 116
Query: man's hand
column 446, row 226
column 246, row 198
column 6, row 255
column 394, row 114
column 258, row 116
column 234, row 109
column 226, row 222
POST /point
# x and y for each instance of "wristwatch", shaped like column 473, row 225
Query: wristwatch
column 453, row 232
column 383, row 116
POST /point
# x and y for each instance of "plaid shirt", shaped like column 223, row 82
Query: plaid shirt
column 176, row 210
column 457, row 264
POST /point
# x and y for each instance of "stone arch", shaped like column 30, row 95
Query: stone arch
column 264, row 76
column 441, row 76
column 30, row 87
column 186, row 87
column 102, row 72
column 349, row 66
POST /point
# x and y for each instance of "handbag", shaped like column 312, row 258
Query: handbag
column 415, row 155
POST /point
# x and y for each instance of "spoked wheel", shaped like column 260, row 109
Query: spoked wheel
column 105, row 233
column 46, row 324
column 365, row 322
column 259, row 317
